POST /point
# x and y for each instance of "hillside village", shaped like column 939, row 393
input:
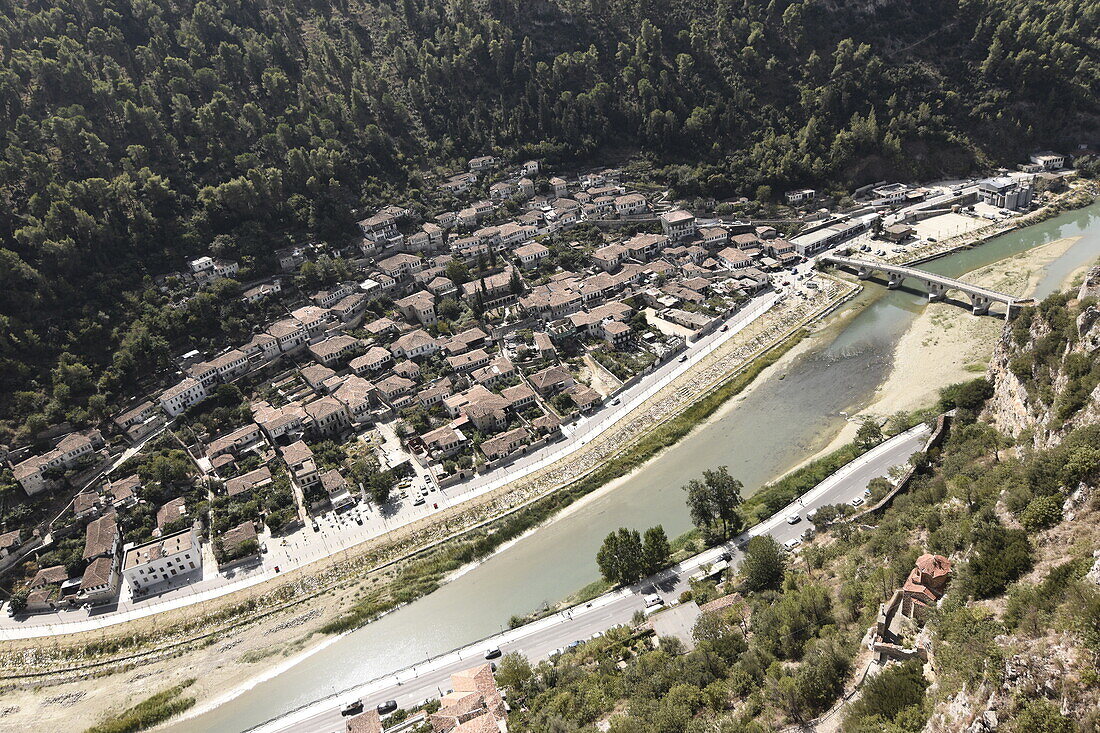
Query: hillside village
column 436, row 350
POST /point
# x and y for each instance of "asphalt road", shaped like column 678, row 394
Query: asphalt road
column 305, row 546
column 539, row 639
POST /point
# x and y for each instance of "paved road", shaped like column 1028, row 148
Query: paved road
column 538, row 640
column 340, row 533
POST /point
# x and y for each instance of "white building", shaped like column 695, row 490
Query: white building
column 802, row 194
column 631, row 203
column 678, row 224
column 188, row 392
column 1048, row 160
column 162, row 559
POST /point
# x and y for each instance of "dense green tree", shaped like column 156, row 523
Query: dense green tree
column 1000, row 556
column 869, row 433
column 655, row 550
column 886, row 696
column 138, row 137
column 764, row 563
column 621, row 557
column 713, row 503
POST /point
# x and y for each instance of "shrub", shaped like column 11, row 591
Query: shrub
column 886, row 695
column 1001, row 556
column 1041, row 513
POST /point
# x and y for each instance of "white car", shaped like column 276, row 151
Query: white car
column 858, row 501
column 652, row 599
column 791, row 544
column 794, row 519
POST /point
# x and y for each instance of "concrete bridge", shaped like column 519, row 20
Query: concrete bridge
column 937, row 285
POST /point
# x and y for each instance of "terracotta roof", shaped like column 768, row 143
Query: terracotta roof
column 366, row 722
column 171, row 511
column 50, row 576
column 936, row 566
column 248, row 481
column 9, row 540
column 235, row 537
column 100, row 536
column 97, row 574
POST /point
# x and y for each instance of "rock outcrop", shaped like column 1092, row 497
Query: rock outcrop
column 1040, row 386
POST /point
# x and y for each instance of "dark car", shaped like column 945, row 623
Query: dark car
column 492, row 654
column 352, row 708
column 387, row 707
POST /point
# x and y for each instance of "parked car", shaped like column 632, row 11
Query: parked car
column 352, row 708
column 794, row 519
column 387, row 707
column 858, row 501
column 420, row 501
column 652, row 599
column 791, row 544
column 492, row 653
column 683, row 358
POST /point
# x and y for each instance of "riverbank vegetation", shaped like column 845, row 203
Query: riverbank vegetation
column 147, row 713
column 426, row 572
column 1016, row 631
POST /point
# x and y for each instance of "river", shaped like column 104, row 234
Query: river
column 790, row 415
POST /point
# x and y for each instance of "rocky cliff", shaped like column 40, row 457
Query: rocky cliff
column 1046, row 368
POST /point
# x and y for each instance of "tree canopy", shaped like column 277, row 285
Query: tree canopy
column 137, row 136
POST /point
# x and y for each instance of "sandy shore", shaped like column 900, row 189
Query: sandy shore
column 946, row 343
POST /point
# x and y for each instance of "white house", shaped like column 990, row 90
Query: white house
column 188, row 392
column 678, row 224
column 531, row 254
column 162, row 559
column 631, row 203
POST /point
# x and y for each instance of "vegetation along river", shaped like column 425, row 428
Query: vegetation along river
column 793, row 413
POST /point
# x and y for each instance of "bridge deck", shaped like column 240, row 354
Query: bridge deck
column 930, row 277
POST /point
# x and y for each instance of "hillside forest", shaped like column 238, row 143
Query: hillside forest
column 139, row 134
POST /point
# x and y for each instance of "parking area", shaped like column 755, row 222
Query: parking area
column 949, row 225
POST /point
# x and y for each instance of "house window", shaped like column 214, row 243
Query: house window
column 192, row 566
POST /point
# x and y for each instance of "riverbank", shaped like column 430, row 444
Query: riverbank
column 258, row 636
column 946, row 343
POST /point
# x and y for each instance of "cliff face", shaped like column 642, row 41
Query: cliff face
column 1046, row 368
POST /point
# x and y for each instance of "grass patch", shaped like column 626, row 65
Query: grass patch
column 424, row 574
column 256, row 655
column 148, row 712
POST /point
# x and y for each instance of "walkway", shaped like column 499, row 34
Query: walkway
column 304, row 546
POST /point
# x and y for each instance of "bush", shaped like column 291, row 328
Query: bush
column 887, row 695
column 1042, row 512
column 1001, row 556
column 1043, row 716
column 149, row 712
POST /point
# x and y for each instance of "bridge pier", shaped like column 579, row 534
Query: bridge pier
column 863, row 273
column 936, row 292
column 980, row 304
column 895, row 281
